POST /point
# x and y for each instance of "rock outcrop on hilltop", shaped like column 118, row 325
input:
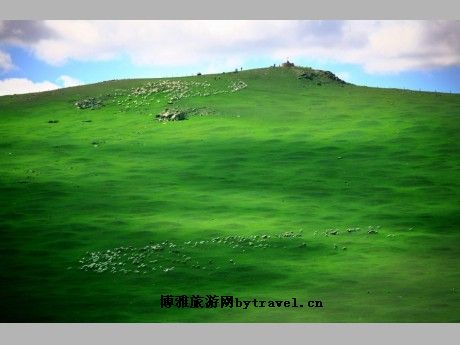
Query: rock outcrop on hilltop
column 320, row 76
column 287, row 64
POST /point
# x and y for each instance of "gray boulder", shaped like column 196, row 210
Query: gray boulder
column 171, row 115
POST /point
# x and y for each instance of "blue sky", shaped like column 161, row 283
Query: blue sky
column 42, row 55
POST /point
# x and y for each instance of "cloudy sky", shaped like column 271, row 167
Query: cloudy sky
column 44, row 55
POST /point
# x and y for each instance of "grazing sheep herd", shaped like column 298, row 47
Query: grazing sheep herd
column 166, row 256
column 158, row 92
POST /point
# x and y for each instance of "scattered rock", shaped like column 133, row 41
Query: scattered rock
column 351, row 230
column 89, row 103
column 171, row 115
column 306, row 75
column 96, row 143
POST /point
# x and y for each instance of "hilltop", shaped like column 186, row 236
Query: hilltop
column 307, row 76
column 144, row 95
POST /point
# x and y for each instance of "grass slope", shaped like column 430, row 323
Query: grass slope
column 213, row 200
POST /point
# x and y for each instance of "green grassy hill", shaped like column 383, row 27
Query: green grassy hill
column 281, row 183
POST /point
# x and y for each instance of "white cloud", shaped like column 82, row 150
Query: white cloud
column 67, row 81
column 378, row 46
column 387, row 46
column 22, row 85
column 5, row 62
column 11, row 86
